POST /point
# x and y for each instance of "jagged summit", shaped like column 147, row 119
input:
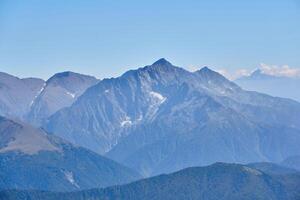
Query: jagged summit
column 209, row 74
column 216, row 81
column 159, row 67
column 207, row 70
column 162, row 61
column 256, row 72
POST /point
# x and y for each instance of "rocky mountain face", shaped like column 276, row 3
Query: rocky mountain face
column 60, row 91
column 287, row 87
column 16, row 94
column 162, row 118
column 30, row 159
column 218, row 181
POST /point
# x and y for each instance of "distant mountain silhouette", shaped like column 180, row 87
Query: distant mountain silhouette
column 287, row 87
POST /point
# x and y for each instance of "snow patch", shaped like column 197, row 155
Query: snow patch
column 126, row 122
column 252, row 171
column 69, row 176
column 71, row 94
column 38, row 93
column 155, row 100
column 140, row 118
column 158, row 96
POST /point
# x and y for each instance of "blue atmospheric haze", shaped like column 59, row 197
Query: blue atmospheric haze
column 106, row 38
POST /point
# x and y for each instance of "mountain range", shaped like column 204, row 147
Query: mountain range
column 162, row 118
column 75, row 132
column 280, row 86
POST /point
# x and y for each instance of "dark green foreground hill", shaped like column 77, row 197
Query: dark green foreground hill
column 216, row 182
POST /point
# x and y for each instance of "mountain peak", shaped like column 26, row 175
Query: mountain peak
column 160, row 68
column 209, row 76
column 259, row 74
column 206, row 69
column 69, row 75
column 162, row 61
column 207, row 72
column 63, row 74
column 256, row 72
column 161, row 65
column 60, row 75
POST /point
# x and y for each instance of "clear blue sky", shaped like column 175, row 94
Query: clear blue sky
column 106, row 37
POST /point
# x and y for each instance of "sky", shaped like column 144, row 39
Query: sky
column 105, row 38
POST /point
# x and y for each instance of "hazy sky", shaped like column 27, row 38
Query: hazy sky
column 106, row 37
